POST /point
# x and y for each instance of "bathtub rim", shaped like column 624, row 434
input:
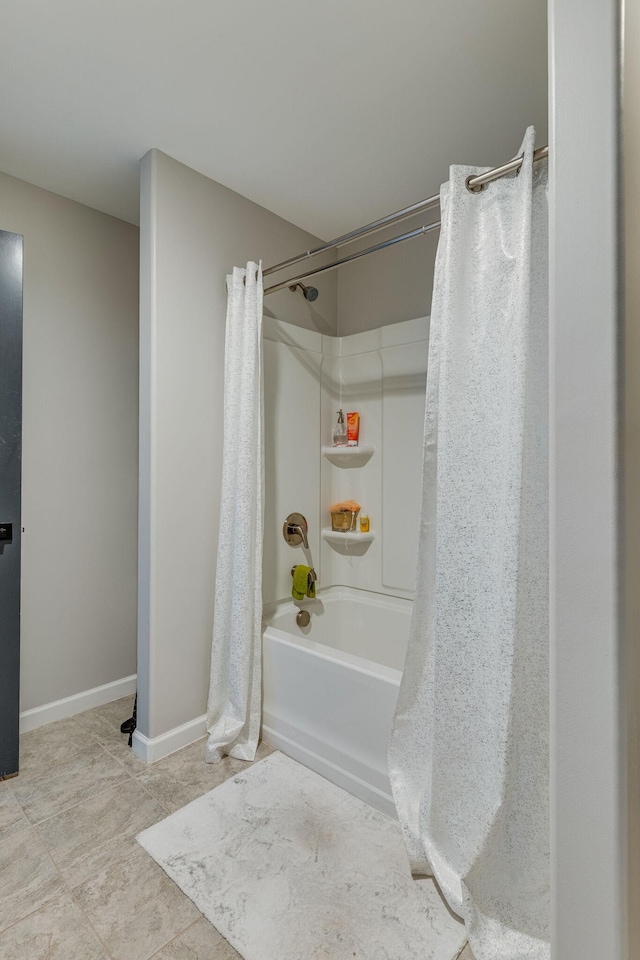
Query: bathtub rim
column 323, row 650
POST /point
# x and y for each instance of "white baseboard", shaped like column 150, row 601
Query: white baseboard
column 152, row 749
column 330, row 771
column 78, row 703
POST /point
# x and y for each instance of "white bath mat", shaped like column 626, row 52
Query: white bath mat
column 288, row 866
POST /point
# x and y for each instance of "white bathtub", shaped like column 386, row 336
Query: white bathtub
column 330, row 689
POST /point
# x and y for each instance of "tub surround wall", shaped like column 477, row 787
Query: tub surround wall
column 193, row 231
column 292, row 376
column 382, row 374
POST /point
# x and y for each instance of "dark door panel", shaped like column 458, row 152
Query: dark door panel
column 10, row 477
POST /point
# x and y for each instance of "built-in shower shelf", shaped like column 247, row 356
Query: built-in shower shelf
column 348, row 542
column 349, row 456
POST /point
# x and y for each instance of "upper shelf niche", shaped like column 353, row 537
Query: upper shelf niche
column 349, row 456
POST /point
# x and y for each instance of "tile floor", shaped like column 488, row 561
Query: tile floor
column 74, row 884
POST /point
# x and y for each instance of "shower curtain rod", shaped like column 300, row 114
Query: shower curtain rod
column 474, row 184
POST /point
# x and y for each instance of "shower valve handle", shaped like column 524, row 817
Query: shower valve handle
column 295, row 530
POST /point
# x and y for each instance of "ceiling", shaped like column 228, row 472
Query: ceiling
column 328, row 113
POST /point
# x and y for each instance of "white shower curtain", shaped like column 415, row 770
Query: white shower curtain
column 234, row 706
column 469, row 751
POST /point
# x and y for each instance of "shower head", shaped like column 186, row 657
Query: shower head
column 310, row 293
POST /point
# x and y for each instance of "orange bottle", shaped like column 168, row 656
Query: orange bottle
column 353, row 429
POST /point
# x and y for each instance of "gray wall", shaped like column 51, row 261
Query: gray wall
column 588, row 757
column 193, row 231
column 631, row 165
column 391, row 286
column 80, row 443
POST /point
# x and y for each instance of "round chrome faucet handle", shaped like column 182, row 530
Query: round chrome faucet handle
column 295, row 530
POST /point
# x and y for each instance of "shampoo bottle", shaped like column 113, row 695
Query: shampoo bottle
column 340, row 432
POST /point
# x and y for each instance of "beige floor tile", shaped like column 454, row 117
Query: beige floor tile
column 95, row 834
column 125, row 756
column 200, row 942
column 103, row 724
column 184, row 776
column 110, row 715
column 28, row 878
column 39, row 768
column 12, row 819
column 50, row 746
column 135, row 907
column 61, row 787
column 74, row 785
column 57, row 931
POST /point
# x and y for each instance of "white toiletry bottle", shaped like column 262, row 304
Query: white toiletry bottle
column 340, row 432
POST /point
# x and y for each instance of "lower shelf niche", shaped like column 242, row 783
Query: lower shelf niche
column 352, row 542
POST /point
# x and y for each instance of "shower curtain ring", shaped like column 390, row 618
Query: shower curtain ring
column 473, row 187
